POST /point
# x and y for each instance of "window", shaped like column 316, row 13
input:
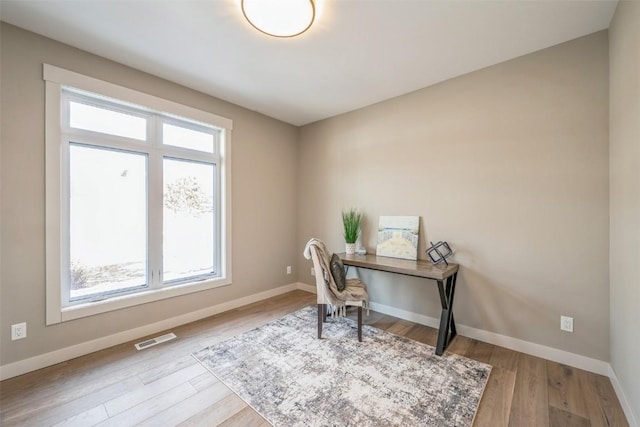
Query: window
column 107, row 222
column 137, row 197
column 188, row 216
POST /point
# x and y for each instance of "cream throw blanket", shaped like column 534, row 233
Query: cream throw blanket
column 355, row 289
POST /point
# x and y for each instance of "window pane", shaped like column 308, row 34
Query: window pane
column 188, row 235
column 82, row 116
column 108, row 221
column 187, row 138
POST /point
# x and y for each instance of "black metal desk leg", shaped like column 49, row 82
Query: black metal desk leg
column 451, row 286
column 444, row 316
column 447, row 322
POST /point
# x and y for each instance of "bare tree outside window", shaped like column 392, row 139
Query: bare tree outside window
column 185, row 195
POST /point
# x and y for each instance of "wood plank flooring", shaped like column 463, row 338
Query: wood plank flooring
column 165, row 386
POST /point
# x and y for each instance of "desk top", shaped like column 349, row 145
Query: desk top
column 419, row 268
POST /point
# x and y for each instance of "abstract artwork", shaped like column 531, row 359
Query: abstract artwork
column 398, row 237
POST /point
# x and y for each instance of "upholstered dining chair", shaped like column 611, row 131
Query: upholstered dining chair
column 332, row 294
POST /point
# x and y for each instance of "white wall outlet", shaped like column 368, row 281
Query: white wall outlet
column 313, row 271
column 18, row 331
column 566, row 323
column 288, row 269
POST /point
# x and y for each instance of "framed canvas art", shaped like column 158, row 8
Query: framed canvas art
column 398, row 237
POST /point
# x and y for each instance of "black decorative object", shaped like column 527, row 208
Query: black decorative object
column 439, row 252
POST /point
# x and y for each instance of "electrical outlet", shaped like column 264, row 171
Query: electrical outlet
column 313, row 271
column 288, row 269
column 18, row 331
column 566, row 323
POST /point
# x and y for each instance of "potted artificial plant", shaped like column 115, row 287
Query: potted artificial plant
column 352, row 221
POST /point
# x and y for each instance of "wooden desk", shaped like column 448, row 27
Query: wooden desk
column 420, row 268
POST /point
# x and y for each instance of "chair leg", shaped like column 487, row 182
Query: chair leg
column 360, row 324
column 322, row 312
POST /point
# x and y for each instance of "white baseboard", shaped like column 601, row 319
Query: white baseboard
column 407, row 315
column 43, row 360
column 576, row 360
column 622, row 397
column 304, row 287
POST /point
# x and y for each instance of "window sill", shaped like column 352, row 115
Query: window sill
column 92, row 308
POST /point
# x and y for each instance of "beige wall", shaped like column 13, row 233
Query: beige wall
column 264, row 197
column 509, row 164
column 624, row 152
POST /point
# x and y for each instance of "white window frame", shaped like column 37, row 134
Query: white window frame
column 57, row 138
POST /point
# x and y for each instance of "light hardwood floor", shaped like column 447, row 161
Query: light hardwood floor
column 165, row 386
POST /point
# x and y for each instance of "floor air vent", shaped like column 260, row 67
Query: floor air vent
column 155, row 341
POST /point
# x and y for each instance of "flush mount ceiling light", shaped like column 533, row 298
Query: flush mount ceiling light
column 280, row 18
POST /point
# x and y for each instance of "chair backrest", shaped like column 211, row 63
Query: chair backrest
column 321, row 285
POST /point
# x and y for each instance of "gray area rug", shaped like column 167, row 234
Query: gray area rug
column 294, row 379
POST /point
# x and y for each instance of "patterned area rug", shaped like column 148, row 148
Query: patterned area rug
column 294, row 379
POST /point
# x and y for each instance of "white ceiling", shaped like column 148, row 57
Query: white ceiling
column 359, row 52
